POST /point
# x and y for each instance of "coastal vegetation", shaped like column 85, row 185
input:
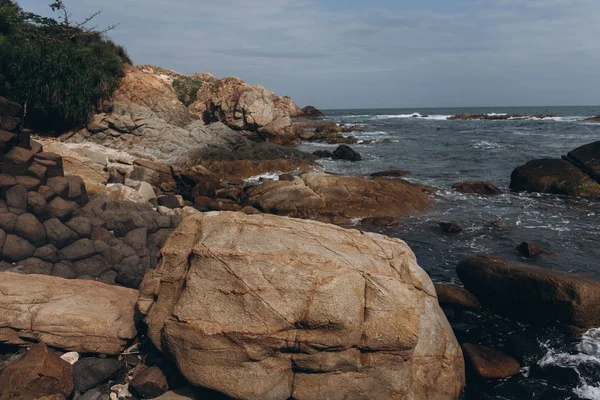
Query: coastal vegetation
column 60, row 70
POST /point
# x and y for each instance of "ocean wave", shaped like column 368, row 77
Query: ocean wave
column 413, row 116
column 485, row 145
column 588, row 352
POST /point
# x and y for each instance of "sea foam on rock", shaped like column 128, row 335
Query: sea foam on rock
column 245, row 310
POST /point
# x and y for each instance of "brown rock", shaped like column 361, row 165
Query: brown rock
column 16, row 161
column 324, row 298
column 242, row 169
column 40, row 372
column 7, row 141
column 554, row 176
column 338, row 199
column 52, row 161
column 587, row 158
column 16, row 249
column 16, row 197
column 457, row 297
column 75, row 315
column 395, row 173
column 311, row 112
column 61, row 209
column 529, row 249
column 30, row 228
column 540, row 295
column 485, row 188
column 9, row 108
column 489, row 363
column 150, row 383
column 450, row 227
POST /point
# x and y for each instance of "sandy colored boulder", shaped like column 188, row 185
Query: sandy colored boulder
column 267, row 307
column 337, row 198
column 75, row 315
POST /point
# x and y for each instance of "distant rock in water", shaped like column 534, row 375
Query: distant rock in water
column 486, row 188
column 577, row 174
column 539, row 295
column 344, row 152
column 467, row 117
column 450, row 227
column 528, row 249
column 311, row 112
column 323, row 153
column 593, row 119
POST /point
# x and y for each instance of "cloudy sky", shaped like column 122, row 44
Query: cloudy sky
column 376, row 53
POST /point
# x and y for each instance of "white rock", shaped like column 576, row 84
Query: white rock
column 71, row 357
column 146, row 191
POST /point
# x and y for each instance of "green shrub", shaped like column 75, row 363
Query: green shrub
column 187, row 88
column 61, row 73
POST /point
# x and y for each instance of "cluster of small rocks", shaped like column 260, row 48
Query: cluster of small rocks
column 49, row 226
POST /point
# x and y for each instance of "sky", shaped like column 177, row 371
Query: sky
column 370, row 54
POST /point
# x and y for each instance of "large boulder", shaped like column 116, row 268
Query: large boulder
column 556, row 176
column 251, row 108
column 538, row 294
column 587, row 158
column 337, row 198
column 75, row 315
column 265, row 307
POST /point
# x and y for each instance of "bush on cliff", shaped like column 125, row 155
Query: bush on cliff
column 61, row 71
column 187, row 88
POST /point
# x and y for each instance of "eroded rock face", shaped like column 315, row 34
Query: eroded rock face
column 251, row 108
column 538, row 294
column 265, row 307
column 338, row 199
column 75, row 315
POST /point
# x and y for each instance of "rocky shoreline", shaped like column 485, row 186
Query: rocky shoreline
column 124, row 285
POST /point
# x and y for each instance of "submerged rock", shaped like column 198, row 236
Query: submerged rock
column 490, row 363
column 486, row 188
column 457, row 297
column 540, row 295
column 269, row 307
column 528, row 249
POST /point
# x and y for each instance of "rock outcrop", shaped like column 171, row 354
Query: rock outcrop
column 246, row 311
column 244, row 107
column 490, row 363
column 75, row 315
column 484, row 188
column 577, row 174
column 541, row 295
column 311, row 113
column 338, row 199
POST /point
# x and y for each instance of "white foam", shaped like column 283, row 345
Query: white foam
column 588, row 352
column 274, row 176
column 485, row 145
column 413, row 116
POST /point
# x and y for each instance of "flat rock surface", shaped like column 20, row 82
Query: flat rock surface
column 75, row 315
column 490, row 363
column 337, row 198
column 269, row 307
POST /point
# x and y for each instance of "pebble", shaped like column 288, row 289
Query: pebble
column 71, row 357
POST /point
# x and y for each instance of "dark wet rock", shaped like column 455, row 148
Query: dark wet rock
column 149, row 383
column 33, row 266
column 61, row 209
column 29, row 182
column 46, row 192
column 81, row 249
column 287, row 177
column 47, row 253
column 37, row 205
column 587, row 158
column 454, row 296
column 59, row 234
column 137, row 239
column 484, row 188
column 539, row 295
column 381, row 221
column 345, row 152
column 16, row 197
column 16, row 249
column 528, row 249
column 64, row 269
column 169, row 201
column 489, row 363
column 8, row 221
column 323, row 153
column 29, row 227
column 93, row 266
column 39, row 372
column 450, row 227
column 131, row 272
column 52, row 161
column 90, row 372
column 311, row 112
column 38, row 171
column 394, row 173
column 554, row 176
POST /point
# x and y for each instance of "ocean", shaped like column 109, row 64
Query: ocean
column 441, row 152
